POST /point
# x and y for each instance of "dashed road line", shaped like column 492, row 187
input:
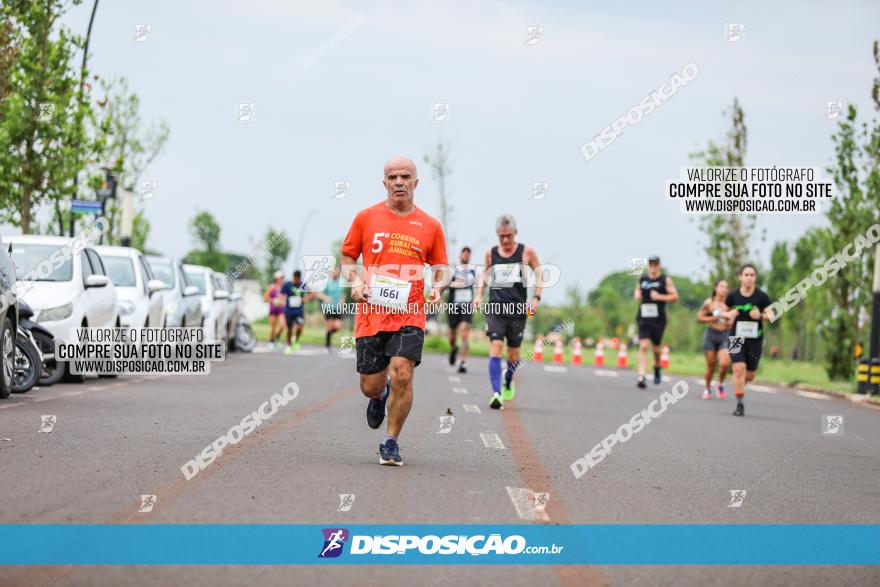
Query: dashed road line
column 471, row 408
column 4, row 406
column 555, row 369
column 491, row 440
column 454, row 379
column 524, row 503
column 813, row 395
column 605, row 373
column 460, row 390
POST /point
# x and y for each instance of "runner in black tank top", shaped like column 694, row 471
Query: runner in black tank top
column 653, row 291
column 461, row 308
column 507, row 273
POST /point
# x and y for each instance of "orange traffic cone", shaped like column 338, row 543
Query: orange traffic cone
column 664, row 357
column 600, row 354
column 539, row 349
column 557, row 351
column 621, row 356
column 577, row 353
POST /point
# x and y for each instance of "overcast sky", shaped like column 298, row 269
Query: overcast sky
column 518, row 113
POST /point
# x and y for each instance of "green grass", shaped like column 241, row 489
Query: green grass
column 772, row 371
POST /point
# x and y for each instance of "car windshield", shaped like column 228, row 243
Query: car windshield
column 120, row 270
column 42, row 262
column 163, row 271
column 198, row 280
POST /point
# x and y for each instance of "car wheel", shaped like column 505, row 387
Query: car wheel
column 70, row 377
column 7, row 357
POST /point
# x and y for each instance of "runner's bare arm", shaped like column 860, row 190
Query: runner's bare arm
column 530, row 254
column 481, row 278
column 704, row 316
column 669, row 297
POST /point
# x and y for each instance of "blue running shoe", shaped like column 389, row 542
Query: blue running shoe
column 389, row 454
column 376, row 408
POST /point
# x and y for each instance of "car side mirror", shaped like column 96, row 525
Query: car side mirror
column 155, row 285
column 221, row 294
column 190, row 290
column 97, row 281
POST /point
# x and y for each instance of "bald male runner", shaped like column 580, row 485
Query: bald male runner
column 395, row 239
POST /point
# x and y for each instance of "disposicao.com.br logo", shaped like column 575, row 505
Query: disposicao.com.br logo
column 402, row 544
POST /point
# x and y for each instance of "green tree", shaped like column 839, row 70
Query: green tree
column 778, row 280
column 205, row 232
column 727, row 235
column 42, row 136
column 852, row 210
column 279, row 247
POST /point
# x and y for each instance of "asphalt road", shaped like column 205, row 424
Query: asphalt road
column 114, row 440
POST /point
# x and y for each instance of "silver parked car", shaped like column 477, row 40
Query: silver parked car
column 182, row 304
column 232, row 311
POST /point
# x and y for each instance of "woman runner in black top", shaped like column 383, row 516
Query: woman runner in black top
column 748, row 308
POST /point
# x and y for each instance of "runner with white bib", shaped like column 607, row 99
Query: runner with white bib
column 461, row 309
column 294, row 310
column 395, row 240
column 748, row 308
column 653, row 291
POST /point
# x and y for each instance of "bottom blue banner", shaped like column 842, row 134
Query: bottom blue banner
column 294, row 544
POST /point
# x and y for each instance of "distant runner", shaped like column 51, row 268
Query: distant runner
column 748, row 308
column 276, row 308
column 395, row 239
column 506, row 269
column 461, row 309
column 294, row 310
column 653, row 291
column 713, row 313
column 332, row 299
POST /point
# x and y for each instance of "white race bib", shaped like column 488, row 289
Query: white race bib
column 390, row 292
column 650, row 311
column 506, row 274
column 294, row 302
column 463, row 296
column 747, row 329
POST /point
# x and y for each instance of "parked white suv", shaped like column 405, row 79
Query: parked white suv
column 183, row 306
column 74, row 292
column 140, row 303
column 69, row 289
column 213, row 301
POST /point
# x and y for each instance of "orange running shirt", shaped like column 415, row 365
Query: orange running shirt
column 396, row 246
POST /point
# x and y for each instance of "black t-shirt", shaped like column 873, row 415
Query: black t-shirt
column 647, row 285
column 737, row 301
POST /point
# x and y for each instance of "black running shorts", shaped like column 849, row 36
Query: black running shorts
column 509, row 327
column 374, row 352
column 653, row 329
column 746, row 350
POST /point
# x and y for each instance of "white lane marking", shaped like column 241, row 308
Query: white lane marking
column 3, row 407
column 491, row 440
column 812, row 395
column 761, row 389
column 96, row 388
column 43, row 399
column 262, row 349
column 604, row 373
column 346, row 356
column 454, row 379
column 555, row 369
column 524, row 503
column 72, row 393
column 460, row 390
column 471, row 408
